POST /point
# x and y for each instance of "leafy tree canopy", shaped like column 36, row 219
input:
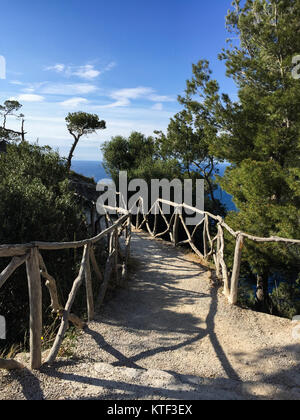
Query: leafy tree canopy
column 259, row 134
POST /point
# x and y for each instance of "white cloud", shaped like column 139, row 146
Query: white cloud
column 132, row 93
column 59, row 68
column 68, row 89
column 29, row 98
column 85, row 72
column 74, row 102
column 119, row 103
column 159, row 98
column 123, row 97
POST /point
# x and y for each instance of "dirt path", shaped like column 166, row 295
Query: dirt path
column 170, row 335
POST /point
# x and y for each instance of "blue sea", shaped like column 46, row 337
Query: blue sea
column 90, row 168
column 95, row 169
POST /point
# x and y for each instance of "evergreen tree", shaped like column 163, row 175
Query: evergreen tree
column 192, row 130
column 260, row 133
column 81, row 124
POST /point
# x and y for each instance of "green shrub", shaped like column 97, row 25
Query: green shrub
column 286, row 298
column 36, row 204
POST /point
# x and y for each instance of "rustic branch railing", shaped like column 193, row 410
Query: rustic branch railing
column 36, row 269
column 213, row 247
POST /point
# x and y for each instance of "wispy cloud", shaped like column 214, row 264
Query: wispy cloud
column 123, row 97
column 161, row 98
column 73, row 102
column 68, row 89
column 58, row 68
column 29, row 98
column 86, row 72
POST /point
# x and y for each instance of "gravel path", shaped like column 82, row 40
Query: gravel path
column 169, row 334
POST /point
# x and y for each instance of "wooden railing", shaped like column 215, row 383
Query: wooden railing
column 213, row 247
column 30, row 254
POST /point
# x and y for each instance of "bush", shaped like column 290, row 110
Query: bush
column 36, row 205
column 286, row 298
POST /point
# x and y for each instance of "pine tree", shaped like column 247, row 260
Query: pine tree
column 191, row 131
column 260, row 134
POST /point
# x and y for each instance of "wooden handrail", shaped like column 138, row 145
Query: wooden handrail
column 36, row 268
column 213, row 247
column 215, row 244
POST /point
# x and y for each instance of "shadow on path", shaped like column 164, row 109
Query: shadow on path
column 30, row 384
column 187, row 327
column 210, row 322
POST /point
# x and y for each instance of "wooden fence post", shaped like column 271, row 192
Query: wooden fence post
column 128, row 238
column 204, row 240
column 226, row 290
column 116, row 257
column 155, row 219
column 35, row 304
column 236, row 269
column 175, row 227
column 127, row 248
column 137, row 215
column 208, row 236
column 66, row 312
column 89, row 287
column 218, row 265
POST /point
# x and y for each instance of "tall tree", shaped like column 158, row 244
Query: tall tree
column 81, row 124
column 261, row 131
column 192, row 130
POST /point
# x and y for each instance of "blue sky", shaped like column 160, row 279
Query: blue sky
column 125, row 60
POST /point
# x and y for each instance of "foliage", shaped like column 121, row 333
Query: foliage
column 34, row 187
column 81, row 124
column 9, row 108
column 259, row 134
column 286, row 298
column 192, row 130
column 36, row 205
column 137, row 155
